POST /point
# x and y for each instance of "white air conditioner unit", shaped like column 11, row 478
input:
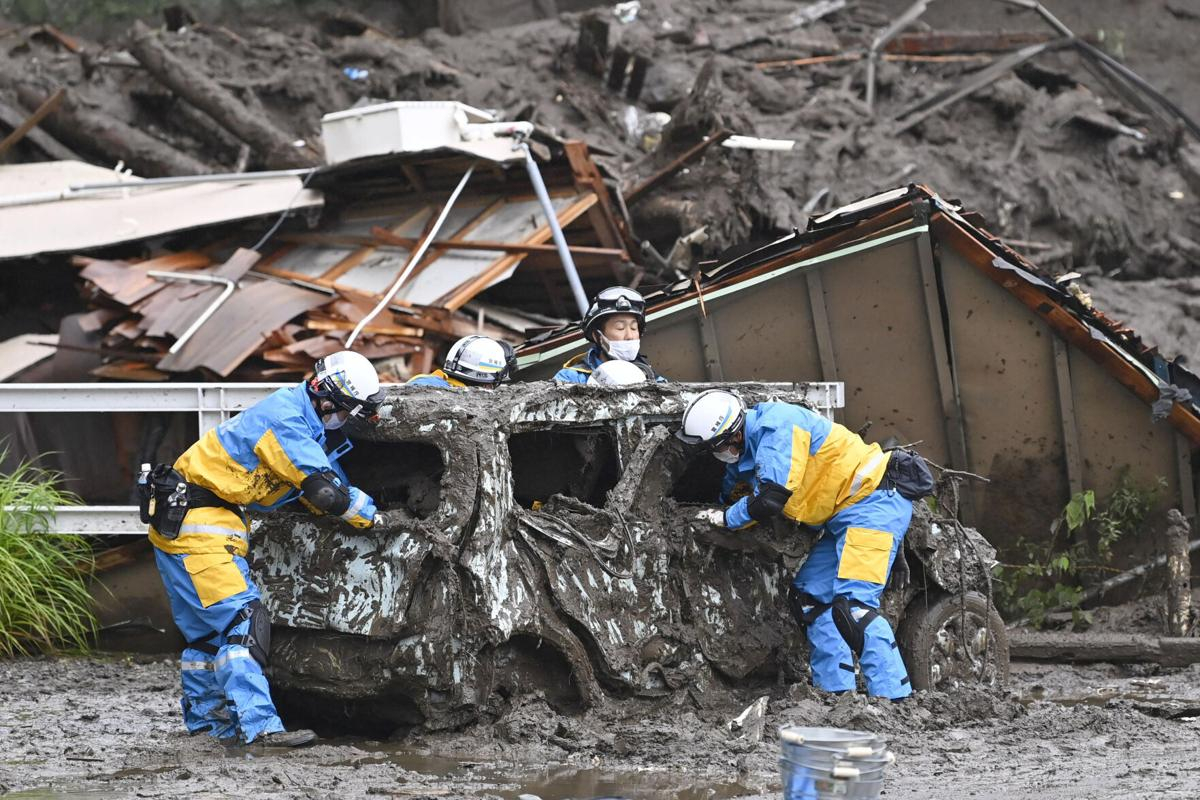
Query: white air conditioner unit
column 413, row 127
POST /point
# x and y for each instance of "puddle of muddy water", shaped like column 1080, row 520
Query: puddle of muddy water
column 562, row 782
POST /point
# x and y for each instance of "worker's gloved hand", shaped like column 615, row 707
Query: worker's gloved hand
column 712, row 516
column 900, row 576
column 377, row 521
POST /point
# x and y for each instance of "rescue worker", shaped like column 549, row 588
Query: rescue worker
column 260, row 458
column 472, row 361
column 820, row 474
column 614, row 324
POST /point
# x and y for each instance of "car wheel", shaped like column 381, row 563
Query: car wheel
column 948, row 642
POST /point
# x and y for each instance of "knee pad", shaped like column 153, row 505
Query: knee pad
column 257, row 638
column 851, row 619
column 804, row 607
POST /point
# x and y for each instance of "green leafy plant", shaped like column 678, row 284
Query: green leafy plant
column 1052, row 573
column 44, row 600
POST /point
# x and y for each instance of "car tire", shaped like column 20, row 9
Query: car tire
column 933, row 648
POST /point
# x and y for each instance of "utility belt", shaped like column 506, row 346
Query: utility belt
column 165, row 497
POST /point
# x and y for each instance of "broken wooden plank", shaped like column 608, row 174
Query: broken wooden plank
column 772, row 66
column 693, row 152
column 943, row 42
column 976, row 81
column 45, row 109
column 196, row 87
column 39, row 138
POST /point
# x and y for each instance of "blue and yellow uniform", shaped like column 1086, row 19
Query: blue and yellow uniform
column 437, row 378
column 258, row 459
column 834, row 480
column 579, row 368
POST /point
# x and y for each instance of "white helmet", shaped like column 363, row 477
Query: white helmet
column 349, row 381
column 617, row 373
column 480, row 360
column 712, row 418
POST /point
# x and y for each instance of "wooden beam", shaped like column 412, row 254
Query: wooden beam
column 603, row 217
column 1066, row 413
column 461, row 295
column 821, row 328
column 941, row 42
column 47, row 108
column 383, row 235
column 939, row 336
column 713, row 368
column 1187, row 478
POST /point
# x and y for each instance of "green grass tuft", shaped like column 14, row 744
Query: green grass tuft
column 44, row 600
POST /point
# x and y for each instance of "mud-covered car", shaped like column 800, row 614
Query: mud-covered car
column 539, row 537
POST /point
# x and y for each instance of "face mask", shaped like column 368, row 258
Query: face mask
column 626, row 350
column 332, row 421
column 727, row 456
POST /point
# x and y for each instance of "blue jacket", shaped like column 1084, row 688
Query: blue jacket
column 824, row 465
column 579, row 368
column 260, row 457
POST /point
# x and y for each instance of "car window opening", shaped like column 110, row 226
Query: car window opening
column 699, row 480
column 576, row 462
column 397, row 475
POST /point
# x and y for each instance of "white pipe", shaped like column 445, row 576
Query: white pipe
column 82, row 189
column 560, row 241
column 230, row 285
column 412, row 262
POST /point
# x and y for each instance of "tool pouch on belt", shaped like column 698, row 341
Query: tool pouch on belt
column 909, row 475
column 168, row 501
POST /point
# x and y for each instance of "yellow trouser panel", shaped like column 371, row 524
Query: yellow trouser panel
column 215, row 577
column 207, row 530
column 865, row 555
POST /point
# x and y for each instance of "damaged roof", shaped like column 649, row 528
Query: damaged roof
column 50, row 207
column 308, row 286
column 1171, row 388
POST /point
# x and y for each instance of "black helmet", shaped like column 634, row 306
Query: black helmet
column 614, row 300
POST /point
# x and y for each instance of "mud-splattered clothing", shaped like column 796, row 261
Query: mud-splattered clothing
column 832, row 476
column 258, row 459
column 579, row 368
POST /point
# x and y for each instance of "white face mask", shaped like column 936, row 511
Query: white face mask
column 625, row 349
column 333, row 421
column 727, row 456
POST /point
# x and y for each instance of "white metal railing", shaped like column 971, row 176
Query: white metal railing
column 213, row 403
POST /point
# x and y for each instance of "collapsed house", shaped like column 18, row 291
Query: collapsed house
column 945, row 337
column 178, row 290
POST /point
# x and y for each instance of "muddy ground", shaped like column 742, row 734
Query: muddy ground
column 110, row 727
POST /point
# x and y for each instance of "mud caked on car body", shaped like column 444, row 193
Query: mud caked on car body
column 537, row 537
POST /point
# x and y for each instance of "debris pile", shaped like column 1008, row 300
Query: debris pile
column 710, row 126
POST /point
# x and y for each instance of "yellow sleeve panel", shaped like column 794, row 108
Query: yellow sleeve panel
column 272, row 456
